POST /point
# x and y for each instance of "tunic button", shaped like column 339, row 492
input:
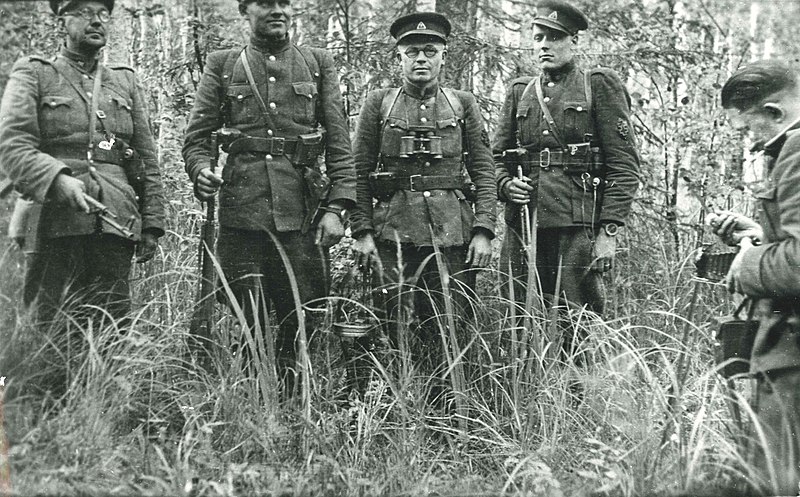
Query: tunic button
column 273, row 106
column 240, row 97
column 427, row 164
column 579, row 108
column 53, row 104
column 269, row 132
column 546, row 99
column 426, row 194
column 422, row 107
column 272, row 58
column 272, row 79
column 269, row 157
column 545, row 132
column 88, row 93
column 92, row 169
column 85, row 76
column 551, row 84
column 424, row 119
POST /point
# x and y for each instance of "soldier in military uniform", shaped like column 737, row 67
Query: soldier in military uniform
column 412, row 145
column 285, row 100
column 764, row 98
column 570, row 130
column 71, row 127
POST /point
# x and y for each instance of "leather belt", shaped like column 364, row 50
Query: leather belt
column 272, row 146
column 114, row 156
column 418, row 183
column 554, row 158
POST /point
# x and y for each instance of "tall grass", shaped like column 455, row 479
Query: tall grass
column 139, row 416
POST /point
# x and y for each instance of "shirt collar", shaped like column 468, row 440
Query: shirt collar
column 81, row 61
column 269, row 45
column 419, row 93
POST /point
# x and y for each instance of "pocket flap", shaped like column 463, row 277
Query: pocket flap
column 394, row 122
column 239, row 92
column 306, row 89
column 54, row 101
column 450, row 122
column 576, row 106
column 121, row 102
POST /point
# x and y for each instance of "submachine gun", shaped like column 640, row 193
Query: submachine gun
column 202, row 323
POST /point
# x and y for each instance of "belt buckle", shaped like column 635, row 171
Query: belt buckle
column 281, row 145
column 542, row 154
column 411, row 181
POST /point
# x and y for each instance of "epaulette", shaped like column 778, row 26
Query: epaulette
column 39, row 58
column 121, row 67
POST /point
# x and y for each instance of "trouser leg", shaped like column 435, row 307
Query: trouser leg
column 777, row 408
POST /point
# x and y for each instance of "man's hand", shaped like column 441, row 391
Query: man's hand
column 68, row 190
column 366, row 249
column 732, row 227
column 146, row 248
column 519, row 191
column 330, row 230
column 732, row 280
column 479, row 253
column 603, row 252
column 207, row 184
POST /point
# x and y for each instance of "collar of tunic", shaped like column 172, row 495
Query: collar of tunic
column 270, row 46
column 81, row 61
column 419, row 93
column 559, row 74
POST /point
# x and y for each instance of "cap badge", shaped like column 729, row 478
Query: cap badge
column 553, row 15
column 422, row 25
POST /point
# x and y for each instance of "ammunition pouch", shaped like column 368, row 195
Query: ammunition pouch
column 302, row 151
column 318, row 184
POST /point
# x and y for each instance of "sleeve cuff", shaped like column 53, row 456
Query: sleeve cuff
column 342, row 194
column 750, row 275
column 501, row 189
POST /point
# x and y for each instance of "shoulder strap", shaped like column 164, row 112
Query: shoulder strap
column 537, row 84
column 587, row 89
column 388, row 102
column 249, row 73
column 454, row 102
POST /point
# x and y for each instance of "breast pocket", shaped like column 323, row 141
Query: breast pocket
column 120, row 120
column 243, row 104
column 305, row 100
column 576, row 122
column 57, row 115
column 393, row 132
column 450, row 133
column 526, row 124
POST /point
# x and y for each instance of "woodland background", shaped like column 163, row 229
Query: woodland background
column 657, row 419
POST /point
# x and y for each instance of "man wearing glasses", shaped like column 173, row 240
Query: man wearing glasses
column 412, row 147
column 71, row 130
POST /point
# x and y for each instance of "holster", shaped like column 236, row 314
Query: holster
column 381, row 183
column 734, row 342
column 309, row 147
column 319, row 187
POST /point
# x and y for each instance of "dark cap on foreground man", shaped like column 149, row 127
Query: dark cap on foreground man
column 763, row 98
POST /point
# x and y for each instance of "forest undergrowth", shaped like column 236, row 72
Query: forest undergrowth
column 636, row 409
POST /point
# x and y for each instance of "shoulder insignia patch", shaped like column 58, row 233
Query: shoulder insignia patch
column 623, row 128
column 485, row 138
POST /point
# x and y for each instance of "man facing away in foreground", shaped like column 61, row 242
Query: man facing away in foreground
column 764, row 99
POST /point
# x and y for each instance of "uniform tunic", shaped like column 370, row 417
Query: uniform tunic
column 569, row 204
column 770, row 273
column 44, row 132
column 264, row 195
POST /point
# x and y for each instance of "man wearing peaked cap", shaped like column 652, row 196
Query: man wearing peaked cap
column 415, row 147
column 569, row 130
column 560, row 16
column 72, row 127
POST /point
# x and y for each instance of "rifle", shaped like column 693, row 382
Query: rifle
column 202, row 323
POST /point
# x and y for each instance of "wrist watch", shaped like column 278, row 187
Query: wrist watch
column 611, row 229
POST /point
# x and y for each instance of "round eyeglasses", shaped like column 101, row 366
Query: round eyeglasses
column 428, row 50
column 89, row 14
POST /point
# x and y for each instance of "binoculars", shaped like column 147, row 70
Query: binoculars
column 421, row 142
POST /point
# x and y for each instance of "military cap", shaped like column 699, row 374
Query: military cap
column 421, row 23
column 559, row 15
column 61, row 6
column 752, row 84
